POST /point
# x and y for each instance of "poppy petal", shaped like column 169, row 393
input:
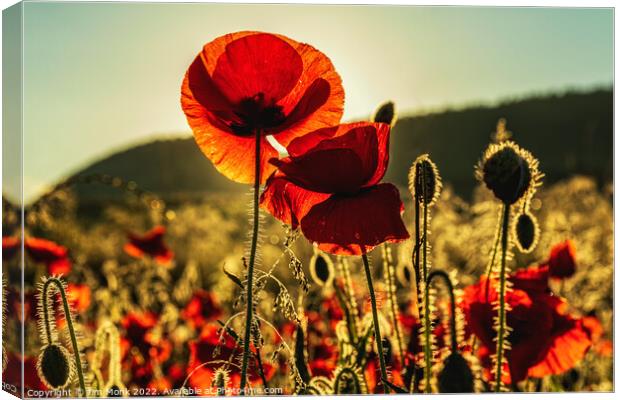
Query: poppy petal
column 567, row 348
column 355, row 156
column 288, row 202
column 313, row 100
column 346, row 225
column 259, row 63
column 562, row 262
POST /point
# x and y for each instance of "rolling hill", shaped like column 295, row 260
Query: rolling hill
column 569, row 133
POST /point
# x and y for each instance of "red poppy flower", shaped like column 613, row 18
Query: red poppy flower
column 203, row 350
column 10, row 246
column 176, row 373
column 545, row 340
column 603, row 347
column 159, row 386
column 562, row 262
column 136, row 326
column 150, row 244
column 329, row 185
column 247, row 81
column 54, row 256
column 323, row 356
column 79, row 296
column 201, row 308
column 331, row 308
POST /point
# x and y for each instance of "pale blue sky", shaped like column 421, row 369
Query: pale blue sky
column 99, row 77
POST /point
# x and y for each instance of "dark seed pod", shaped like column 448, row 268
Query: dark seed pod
column 526, row 231
column 386, row 113
column 404, row 274
column 321, row 269
column 455, row 376
column 115, row 390
column 348, row 380
column 424, row 181
column 54, row 366
column 508, row 171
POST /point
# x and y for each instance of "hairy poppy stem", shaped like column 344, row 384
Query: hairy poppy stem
column 69, row 320
column 416, row 252
column 501, row 331
column 427, row 309
column 375, row 320
column 444, row 276
column 250, row 305
column 497, row 237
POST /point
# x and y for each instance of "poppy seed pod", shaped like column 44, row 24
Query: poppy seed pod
column 424, row 181
column 386, row 113
column 54, row 366
column 508, row 171
column 321, row 269
column 455, row 376
column 526, row 231
column 404, row 273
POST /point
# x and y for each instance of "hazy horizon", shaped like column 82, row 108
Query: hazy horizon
column 101, row 77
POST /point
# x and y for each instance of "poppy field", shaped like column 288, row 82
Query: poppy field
column 327, row 278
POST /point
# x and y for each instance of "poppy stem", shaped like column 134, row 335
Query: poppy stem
column 501, row 328
column 46, row 296
column 490, row 268
column 416, row 254
column 250, row 276
column 375, row 320
column 444, row 276
column 427, row 308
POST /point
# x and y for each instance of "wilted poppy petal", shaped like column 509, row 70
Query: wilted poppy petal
column 355, row 224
